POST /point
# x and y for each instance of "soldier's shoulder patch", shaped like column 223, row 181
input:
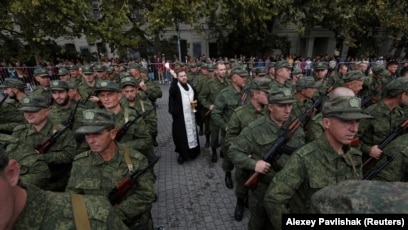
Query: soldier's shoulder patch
column 307, row 149
column 20, row 127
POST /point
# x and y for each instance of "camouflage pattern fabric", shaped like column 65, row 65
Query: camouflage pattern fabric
column 361, row 197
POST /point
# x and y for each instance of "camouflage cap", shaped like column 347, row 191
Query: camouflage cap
column 397, row 86
column 129, row 81
column 59, row 85
column 41, row 72
column 283, row 64
column 13, row 83
column 261, row 83
column 320, row 65
column 100, row 68
column 193, row 65
column 210, row 67
column 95, row 120
column 271, row 65
column 106, row 85
column 227, row 62
column 296, row 71
column 281, row 96
column 240, row 72
column 204, row 66
column 361, row 197
column 306, row 82
column 133, row 65
column 143, row 69
column 62, row 72
column 355, row 75
column 182, row 64
column 109, row 70
column 73, row 67
column 344, row 108
column 87, row 69
column 125, row 74
column 33, row 103
column 377, row 69
column 199, row 64
column 72, row 85
column 260, row 71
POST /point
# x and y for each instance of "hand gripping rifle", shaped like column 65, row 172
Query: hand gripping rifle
column 122, row 130
column 395, row 133
column 5, row 96
column 44, row 146
column 116, row 195
column 273, row 153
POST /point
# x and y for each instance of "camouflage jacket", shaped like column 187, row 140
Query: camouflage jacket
column 255, row 140
column 60, row 115
column 192, row 77
column 210, row 91
column 49, row 210
column 277, row 85
column 153, row 91
column 314, row 128
column 224, row 105
column 9, row 113
column 59, row 156
column 240, row 118
column 373, row 131
column 312, row 167
column 40, row 91
column 140, row 107
column 91, row 175
column 199, row 82
column 300, row 106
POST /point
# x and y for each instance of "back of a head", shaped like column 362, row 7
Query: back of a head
column 341, row 92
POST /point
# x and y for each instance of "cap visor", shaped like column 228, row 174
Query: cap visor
column 89, row 129
column 30, row 109
column 288, row 101
column 352, row 116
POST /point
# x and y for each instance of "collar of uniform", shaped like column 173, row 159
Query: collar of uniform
column 45, row 130
column 34, row 209
column 328, row 151
column 115, row 161
column 383, row 107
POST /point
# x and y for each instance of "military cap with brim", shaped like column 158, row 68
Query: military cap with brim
column 355, row 75
column 281, row 96
column 133, row 65
column 240, row 72
column 73, row 67
column 377, row 68
column 72, row 85
column 62, row 72
column 125, row 74
column 33, row 103
column 261, row 83
column 143, row 69
column 42, row 72
column 129, row 81
column 13, row 83
column 283, row 64
column 210, row 67
column 59, row 85
column 296, row 71
column 397, row 86
column 193, row 65
column 260, row 71
column 106, row 85
column 87, row 69
column 100, row 68
column 320, row 66
column 96, row 120
column 306, row 82
column 271, row 65
column 344, row 108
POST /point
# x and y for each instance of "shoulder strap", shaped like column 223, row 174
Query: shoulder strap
column 126, row 114
column 142, row 105
column 128, row 160
column 79, row 210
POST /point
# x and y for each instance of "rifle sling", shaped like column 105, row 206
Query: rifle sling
column 128, row 160
column 80, row 213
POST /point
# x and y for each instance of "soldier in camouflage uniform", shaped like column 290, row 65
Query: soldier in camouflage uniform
column 64, row 75
column 240, row 118
column 149, row 89
column 75, row 73
column 87, row 87
column 224, row 105
column 130, row 91
column 361, row 197
column 28, row 136
column 137, row 136
column 97, row 171
column 321, row 163
column 305, row 90
column 193, row 73
column 282, row 76
column 319, row 74
column 100, row 72
column 387, row 115
column 375, row 83
column 199, row 82
column 43, row 78
column 248, row 149
column 271, row 70
column 15, row 90
column 337, row 77
column 207, row 98
column 24, row 206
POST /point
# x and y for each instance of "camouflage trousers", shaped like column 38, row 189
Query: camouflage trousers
column 258, row 218
column 241, row 176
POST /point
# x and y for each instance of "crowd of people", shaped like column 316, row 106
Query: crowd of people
column 85, row 128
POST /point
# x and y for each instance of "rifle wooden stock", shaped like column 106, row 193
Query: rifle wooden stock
column 116, row 195
column 372, row 98
column 122, row 130
column 253, row 181
column 44, row 146
column 395, row 133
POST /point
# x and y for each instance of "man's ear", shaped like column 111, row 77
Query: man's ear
column 326, row 123
column 12, row 172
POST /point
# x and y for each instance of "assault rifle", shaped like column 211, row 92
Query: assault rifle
column 43, row 147
column 272, row 154
column 244, row 96
column 122, row 130
column 5, row 96
column 372, row 97
column 116, row 195
column 70, row 121
column 377, row 171
column 395, row 133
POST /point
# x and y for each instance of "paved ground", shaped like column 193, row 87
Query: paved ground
column 192, row 195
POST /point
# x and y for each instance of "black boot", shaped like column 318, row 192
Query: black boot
column 207, row 141
column 180, row 160
column 228, row 180
column 155, row 144
column 201, row 132
column 214, row 157
column 221, row 154
column 239, row 210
